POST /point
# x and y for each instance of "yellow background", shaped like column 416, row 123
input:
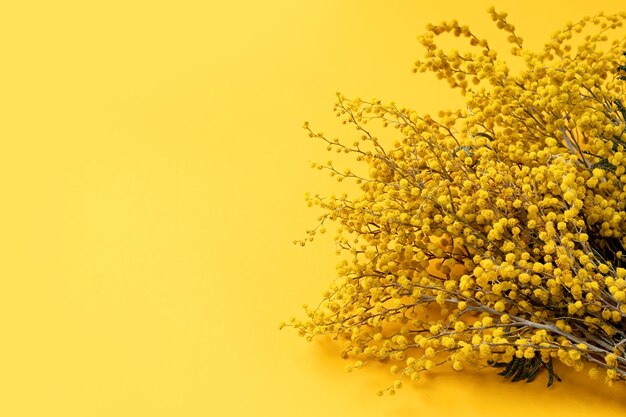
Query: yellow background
column 152, row 168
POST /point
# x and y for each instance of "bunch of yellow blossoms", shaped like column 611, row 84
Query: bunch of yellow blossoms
column 492, row 235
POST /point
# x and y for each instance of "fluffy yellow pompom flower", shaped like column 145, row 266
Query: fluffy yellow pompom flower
column 493, row 234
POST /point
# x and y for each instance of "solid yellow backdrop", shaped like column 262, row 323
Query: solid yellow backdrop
column 152, row 171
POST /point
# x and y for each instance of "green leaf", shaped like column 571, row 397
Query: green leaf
column 604, row 164
column 467, row 149
column 484, row 135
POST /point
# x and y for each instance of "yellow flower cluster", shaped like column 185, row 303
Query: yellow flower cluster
column 493, row 234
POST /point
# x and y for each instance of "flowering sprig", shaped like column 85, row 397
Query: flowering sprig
column 493, row 234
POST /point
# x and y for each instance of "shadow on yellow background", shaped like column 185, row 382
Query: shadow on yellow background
column 152, row 171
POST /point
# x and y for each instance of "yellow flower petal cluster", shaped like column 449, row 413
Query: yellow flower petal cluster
column 492, row 233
